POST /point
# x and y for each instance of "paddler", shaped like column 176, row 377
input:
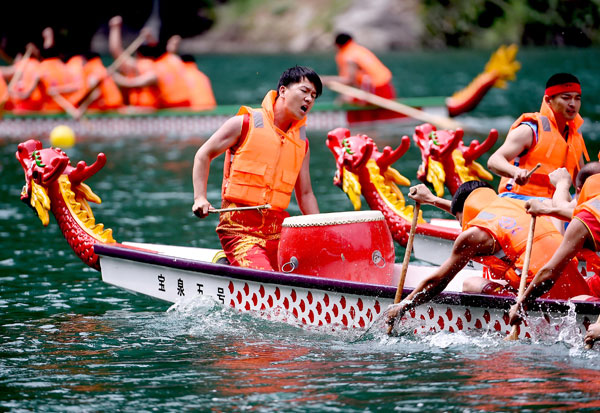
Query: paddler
column 267, row 158
column 494, row 232
column 551, row 137
column 582, row 233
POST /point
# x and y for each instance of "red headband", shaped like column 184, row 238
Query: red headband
column 563, row 88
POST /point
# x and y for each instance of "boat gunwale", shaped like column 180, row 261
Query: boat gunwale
column 333, row 285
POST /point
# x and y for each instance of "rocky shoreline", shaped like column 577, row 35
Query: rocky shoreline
column 277, row 26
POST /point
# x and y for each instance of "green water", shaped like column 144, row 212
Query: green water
column 69, row 342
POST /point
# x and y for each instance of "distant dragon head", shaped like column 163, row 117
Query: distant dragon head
column 447, row 161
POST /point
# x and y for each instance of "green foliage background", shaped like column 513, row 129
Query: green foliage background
column 481, row 23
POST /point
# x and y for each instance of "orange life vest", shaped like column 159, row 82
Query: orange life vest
column 551, row 150
column 508, row 223
column 53, row 73
column 3, row 91
column 146, row 96
column 589, row 197
column 368, row 65
column 29, row 72
column 110, row 95
column 201, row 92
column 75, row 65
column 267, row 162
column 174, row 91
column 589, row 200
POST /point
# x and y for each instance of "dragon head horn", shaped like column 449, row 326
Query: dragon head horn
column 388, row 157
column 358, row 162
column 453, row 144
column 476, row 149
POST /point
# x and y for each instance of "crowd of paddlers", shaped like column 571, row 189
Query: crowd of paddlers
column 146, row 76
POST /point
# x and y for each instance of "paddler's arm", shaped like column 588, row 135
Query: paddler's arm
column 561, row 179
column 224, row 138
column 561, row 205
column 573, row 241
column 422, row 194
column 468, row 244
column 593, row 334
column 145, row 79
column 307, row 202
column 517, row 141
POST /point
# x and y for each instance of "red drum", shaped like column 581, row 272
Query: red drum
column 353, row 246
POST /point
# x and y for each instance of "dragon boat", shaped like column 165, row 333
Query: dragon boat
column 338, row 270
column 173, row 123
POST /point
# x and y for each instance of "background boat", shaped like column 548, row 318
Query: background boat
column 181, row 124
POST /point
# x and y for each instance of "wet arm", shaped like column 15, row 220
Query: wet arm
column 575, row 236
column 469, row 243
column 303, row 189
column 517, row 141
column 224, row 138
column 423, row 195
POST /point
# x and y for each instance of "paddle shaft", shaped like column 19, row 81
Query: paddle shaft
column 247, row 208
column 21, row 68
column 394, row 106
column 514, row 332
column 409, row 244
column 535, row 168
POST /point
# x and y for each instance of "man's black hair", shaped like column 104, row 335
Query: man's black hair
column 342, row 38
column 463, row 191
column 150, row 51
column 586, row 171
column 296, row 74
column 188, row 58
column 50, row 52
column 561, row 78
column 89, row 55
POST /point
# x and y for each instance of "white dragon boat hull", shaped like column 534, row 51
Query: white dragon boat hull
column 181, row 274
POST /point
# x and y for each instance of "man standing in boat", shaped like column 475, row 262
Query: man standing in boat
column 550, row 137
column 360, row 68
column 494, row 233
column 267, row 158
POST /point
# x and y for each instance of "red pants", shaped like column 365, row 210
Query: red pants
column 385, row 91
column 251, row 238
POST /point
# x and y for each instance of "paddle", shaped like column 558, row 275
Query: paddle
column 88, row 98
column 409, row 244
column 16, row 76
column 66, row 105
column 21, row 68
column 257, row 207
column 514, row 333
column 438, row 121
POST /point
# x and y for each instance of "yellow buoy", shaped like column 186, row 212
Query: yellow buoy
column 62, row 136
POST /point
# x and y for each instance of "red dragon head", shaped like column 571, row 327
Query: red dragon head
column 52, row 183
column 362, row 169
column 447, row 161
